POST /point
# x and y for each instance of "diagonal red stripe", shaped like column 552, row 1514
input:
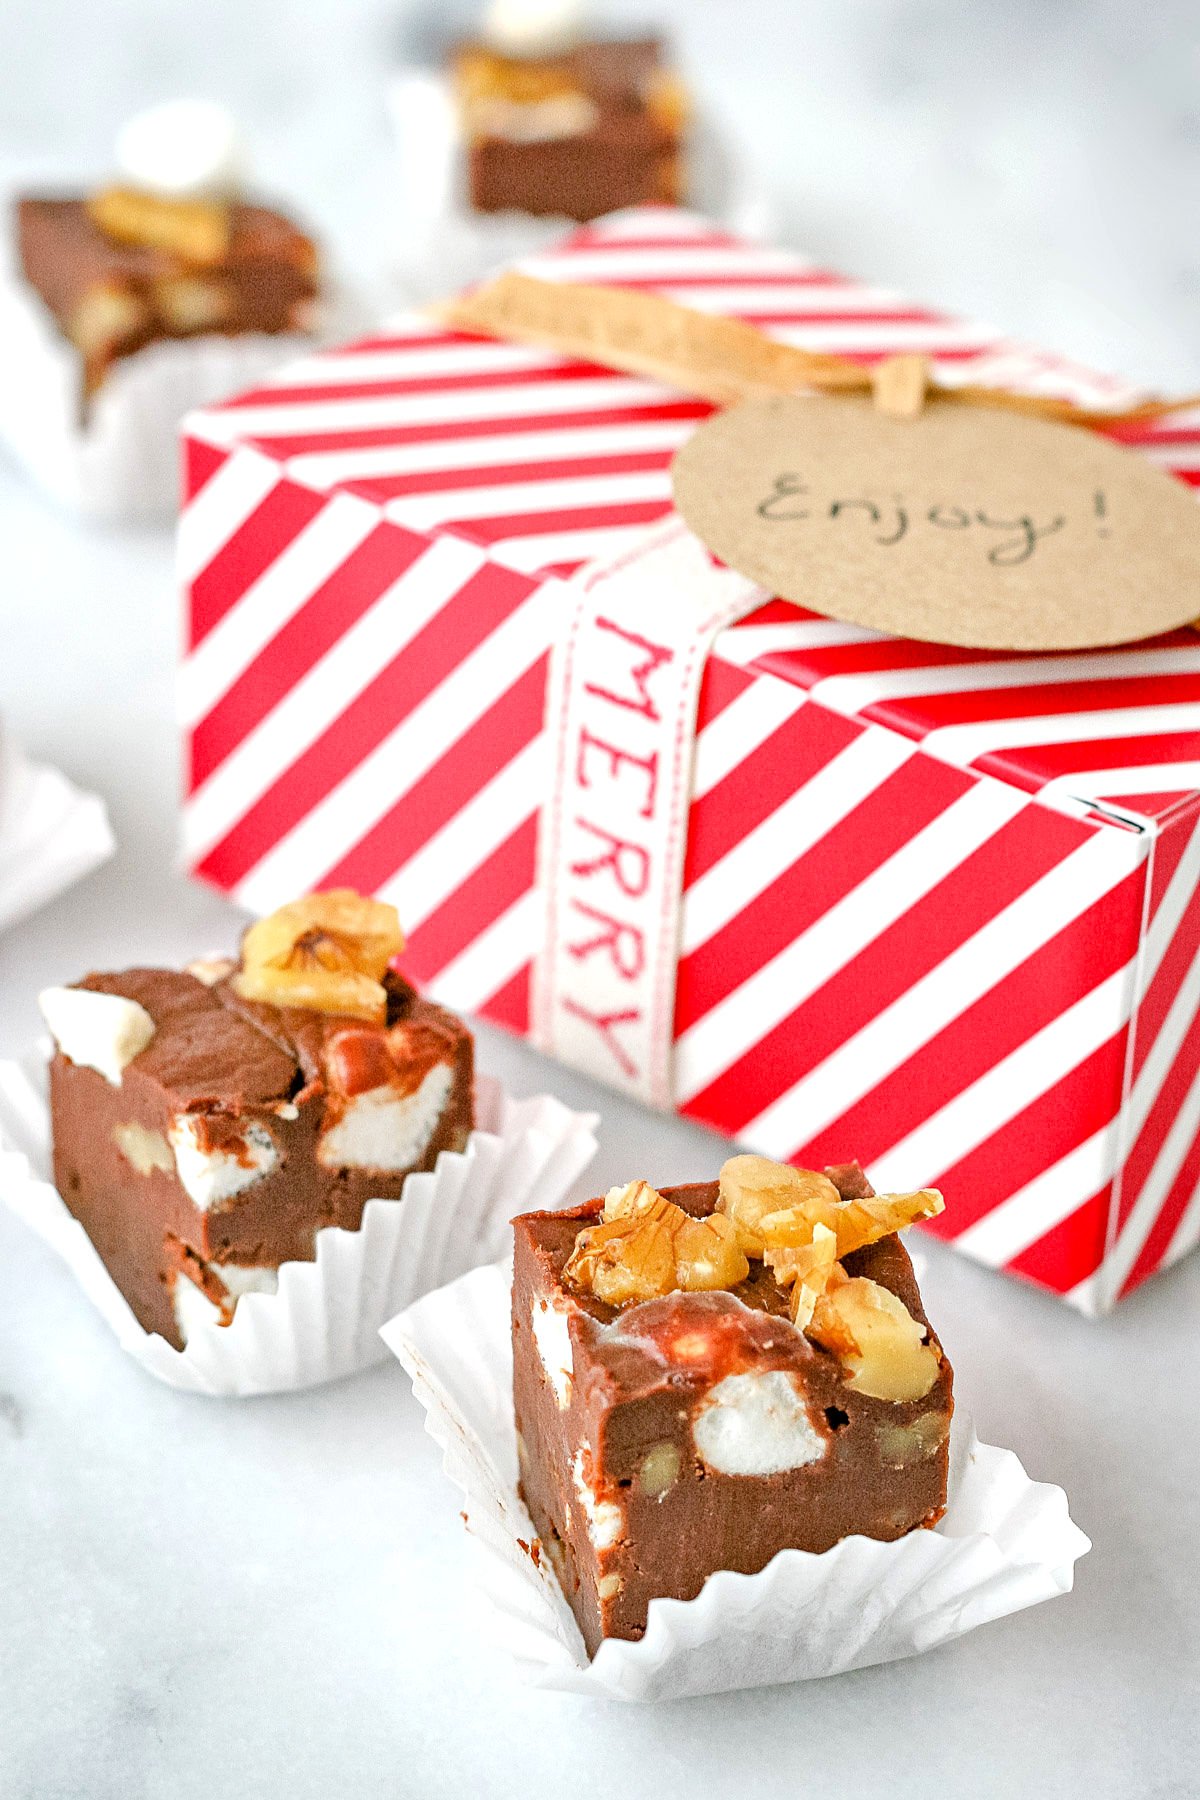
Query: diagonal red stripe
column 1066, row 968
column 200, row 462
column 993, row 876
column 1071, row 1251
column 469, row 616
column 248, row 553
column 511, row 1006
column 487, row 893
column 1085, row 1100
column 760, row 784
column 312, row 630
column 487, row 747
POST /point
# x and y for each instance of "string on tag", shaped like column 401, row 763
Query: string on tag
column 725, row 360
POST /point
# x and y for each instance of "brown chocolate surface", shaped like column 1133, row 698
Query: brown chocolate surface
column 211, row 1063
column 265, row 283
column 629, row 155
column 641, row 1377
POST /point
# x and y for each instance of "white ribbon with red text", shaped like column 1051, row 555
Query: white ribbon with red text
column 621, row 717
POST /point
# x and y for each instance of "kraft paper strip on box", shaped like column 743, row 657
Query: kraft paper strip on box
column 323, row 1321
column 1005, row 1543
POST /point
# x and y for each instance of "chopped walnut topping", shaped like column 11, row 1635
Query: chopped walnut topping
column 809, row 1268
column 873, row 1333
column 328, row 953
column 196, row 230
column 776, row 1207
column 798, row 1224
column 647, row 1247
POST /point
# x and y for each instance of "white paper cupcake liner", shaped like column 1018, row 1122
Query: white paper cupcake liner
column 324, row 1320
column 1005, row 1543
column 441, row 245
column 51, row 833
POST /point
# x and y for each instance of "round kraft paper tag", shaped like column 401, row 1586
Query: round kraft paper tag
column 968, row 526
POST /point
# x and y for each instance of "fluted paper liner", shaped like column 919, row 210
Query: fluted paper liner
column 51, row 832
column 1005, row 1543
column 324, row 1320
column 122, row 461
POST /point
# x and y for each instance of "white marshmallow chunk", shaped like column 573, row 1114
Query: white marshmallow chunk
column 211, row 1176
column 192, row 1306
column 384, row 1130
column 757, row 1425
column 605, row 1518
column 98, row 1031
column 533, row 27
column 552, row 1335
column 182, row 150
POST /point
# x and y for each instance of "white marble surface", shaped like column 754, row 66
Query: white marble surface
column 268, row 1598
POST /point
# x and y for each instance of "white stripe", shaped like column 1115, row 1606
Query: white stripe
column 877, row 1050
column 739, row 1021
column 1011, row 1227
column 492, row 959
column 325, row 691
column 1044, row 1202
column 851, row 693
column 404, row 324
column 465, row 842
column 270, row 601
column 322, row 468
column 804, row 818
column 963, row 744
column 546, row 549
column 939, row 336
column 977, row 1112
column 622, row 262
column 407, row 753
column 1143, row 1214
column 451, row 406
column 415, row 362
column 1178, row 895
column 224, row 503
column 1187, row 1232
column 1172, row 456
column 741, row 728
column 714, row 295
column 567, row 493
column 741, row 644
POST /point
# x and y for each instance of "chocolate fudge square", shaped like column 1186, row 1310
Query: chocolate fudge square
column 576, row 135
column 122, row 269
column 202, row 1138
column 668, row 1437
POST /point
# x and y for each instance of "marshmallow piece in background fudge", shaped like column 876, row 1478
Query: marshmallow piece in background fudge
column 97, row 1031
column 533, row 28
column 757, row 1424
column 552, row 1334
column 384, row 1129
column 213, row 1175
column 183, row 150
column 193, row 1307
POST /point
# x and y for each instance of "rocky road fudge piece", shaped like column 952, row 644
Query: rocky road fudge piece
column 204, row 1133
column 709, row 1375
column 124, row 268
column 597, row 126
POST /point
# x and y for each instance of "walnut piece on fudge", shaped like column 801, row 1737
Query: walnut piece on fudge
column 707, row 1375
column 208, row 1122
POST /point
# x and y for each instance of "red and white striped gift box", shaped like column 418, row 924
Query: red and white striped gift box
column 940, row 907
